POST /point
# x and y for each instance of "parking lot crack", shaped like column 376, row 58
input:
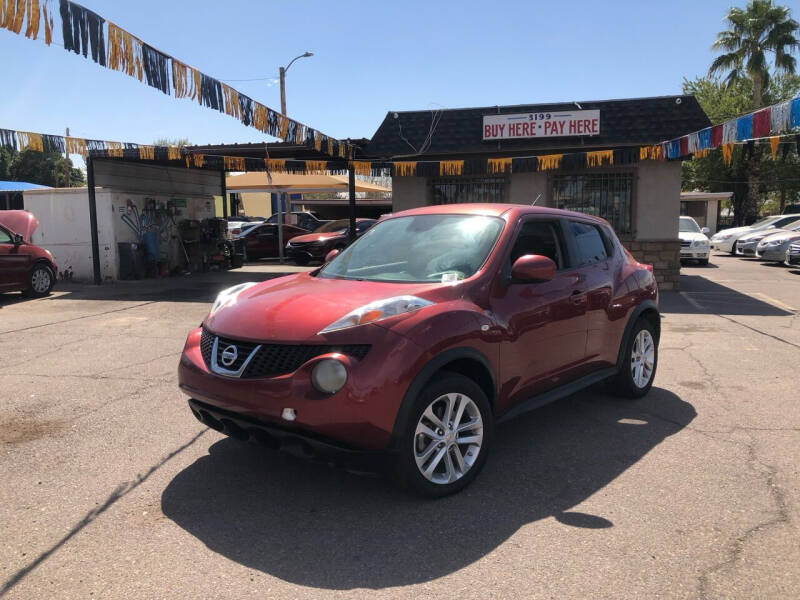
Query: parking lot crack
column 779, row 517
column 121, row 491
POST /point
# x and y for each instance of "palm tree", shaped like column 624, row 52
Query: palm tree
column 755, row 32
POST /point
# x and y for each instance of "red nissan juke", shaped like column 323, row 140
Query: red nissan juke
column 415, row 340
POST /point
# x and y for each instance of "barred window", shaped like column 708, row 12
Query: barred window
column 606, row 195
column 476, row 189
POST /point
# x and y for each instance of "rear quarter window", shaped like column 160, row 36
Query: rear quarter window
column 592, row 243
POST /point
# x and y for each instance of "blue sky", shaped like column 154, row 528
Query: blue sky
column 370, row 57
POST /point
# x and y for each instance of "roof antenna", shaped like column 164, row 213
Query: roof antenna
column 537, row 199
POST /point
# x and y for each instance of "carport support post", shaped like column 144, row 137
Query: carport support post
column 281, row 200
column 93, row 219
column 224, row 187
column 352, row 204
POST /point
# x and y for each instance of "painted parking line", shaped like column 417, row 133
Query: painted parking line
column 773, row 301
column 692, row 301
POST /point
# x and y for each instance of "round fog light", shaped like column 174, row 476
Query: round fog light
column 329, row 376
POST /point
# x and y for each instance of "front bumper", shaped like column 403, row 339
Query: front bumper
column 694, row 253
column 792, row 259
column 722, row 245
column 746, row 248
column 361, row 415
column 295, row 442
column 777, row 254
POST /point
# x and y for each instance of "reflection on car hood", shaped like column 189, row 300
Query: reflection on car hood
column 692, row 236
column 316, row 237
column 733, row 230
column 295, row 308
column 781, row 236
column 759, row 234
column 19, row 221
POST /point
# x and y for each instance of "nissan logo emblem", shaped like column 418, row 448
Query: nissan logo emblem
column 229, row 355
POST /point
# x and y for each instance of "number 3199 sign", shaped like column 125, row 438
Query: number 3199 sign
column 541, row 124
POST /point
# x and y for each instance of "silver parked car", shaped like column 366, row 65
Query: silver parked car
column 773, row 247
column 793, row 255
column 746, row 245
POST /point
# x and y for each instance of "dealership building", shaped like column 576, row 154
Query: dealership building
column 584, row 156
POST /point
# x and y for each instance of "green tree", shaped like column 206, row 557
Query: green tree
column 722, row 101
column 755, row 32
column 163, row 141
column 38, row 167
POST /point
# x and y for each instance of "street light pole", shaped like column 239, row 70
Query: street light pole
column 283, row 79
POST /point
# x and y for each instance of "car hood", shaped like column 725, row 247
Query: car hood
column 781, row 236
column 733, row 230
column 692, row 236
column 19, row 221
column 316, row 237
column 759, row 234
column 295, row 308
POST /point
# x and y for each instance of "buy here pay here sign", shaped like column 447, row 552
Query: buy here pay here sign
column 541, row 124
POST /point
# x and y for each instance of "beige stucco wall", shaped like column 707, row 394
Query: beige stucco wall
column 524, row 188
column 409, row 192
column 257, row 204
column 657, row 203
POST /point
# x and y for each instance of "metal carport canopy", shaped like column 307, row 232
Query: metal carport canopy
column 296, row 184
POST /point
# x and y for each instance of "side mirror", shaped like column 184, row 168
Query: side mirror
column 331, row 255
column 705, row 230
column 17, row 239
column 533, row 268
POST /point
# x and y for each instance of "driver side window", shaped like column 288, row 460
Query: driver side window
column 540, row 237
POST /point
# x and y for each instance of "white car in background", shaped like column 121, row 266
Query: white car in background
column 723, row 241
column 694, row 240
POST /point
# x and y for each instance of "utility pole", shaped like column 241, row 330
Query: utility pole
column 283, row 91
column 66, row 156
column 283, row 79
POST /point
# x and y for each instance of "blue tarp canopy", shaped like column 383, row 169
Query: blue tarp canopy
column 20, row 186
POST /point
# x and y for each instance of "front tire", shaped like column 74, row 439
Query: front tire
column 703, row 262
column 447, row 437
column 40, row 281
column 639, row 363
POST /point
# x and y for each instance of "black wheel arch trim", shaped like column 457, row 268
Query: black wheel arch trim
column 425, row 374
column 635, row 314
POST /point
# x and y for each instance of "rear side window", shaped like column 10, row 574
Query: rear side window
column 4, row 237
column 591, row 243
column 786, row 221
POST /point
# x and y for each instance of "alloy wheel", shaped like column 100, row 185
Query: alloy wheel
column 643, row 358
column 40, row 280
column 448, row 438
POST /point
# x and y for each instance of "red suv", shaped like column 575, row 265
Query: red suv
column 23, row 265
column 415, row 340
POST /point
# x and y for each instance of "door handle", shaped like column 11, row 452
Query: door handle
column 577, row 297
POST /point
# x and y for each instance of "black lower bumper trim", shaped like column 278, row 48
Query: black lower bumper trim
column 297, row 443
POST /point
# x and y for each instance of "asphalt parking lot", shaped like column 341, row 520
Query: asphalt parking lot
column 112, row 489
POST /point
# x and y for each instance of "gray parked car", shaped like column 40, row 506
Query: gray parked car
column 773, row 247
column 746, row 245
column 793, row 255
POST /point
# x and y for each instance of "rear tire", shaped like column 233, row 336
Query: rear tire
column 40, row 281
column 640, row 360
column 301, row 261
column 447, row 436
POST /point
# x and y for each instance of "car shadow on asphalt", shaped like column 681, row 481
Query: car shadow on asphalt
column 317, row 526
column 699, row 295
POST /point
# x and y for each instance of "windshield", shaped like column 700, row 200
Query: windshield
column 339, row 226
column 422, row 248
column 764, row 221
column 689, row 225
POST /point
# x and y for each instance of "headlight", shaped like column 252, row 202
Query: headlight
column 774, row 242
column 229, row 295
column 698, row 243
column 722, row 236
column 329, row 376
column 378, row 310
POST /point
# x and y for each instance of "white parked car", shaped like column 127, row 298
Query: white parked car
column 723, row 241
column 694, row 240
